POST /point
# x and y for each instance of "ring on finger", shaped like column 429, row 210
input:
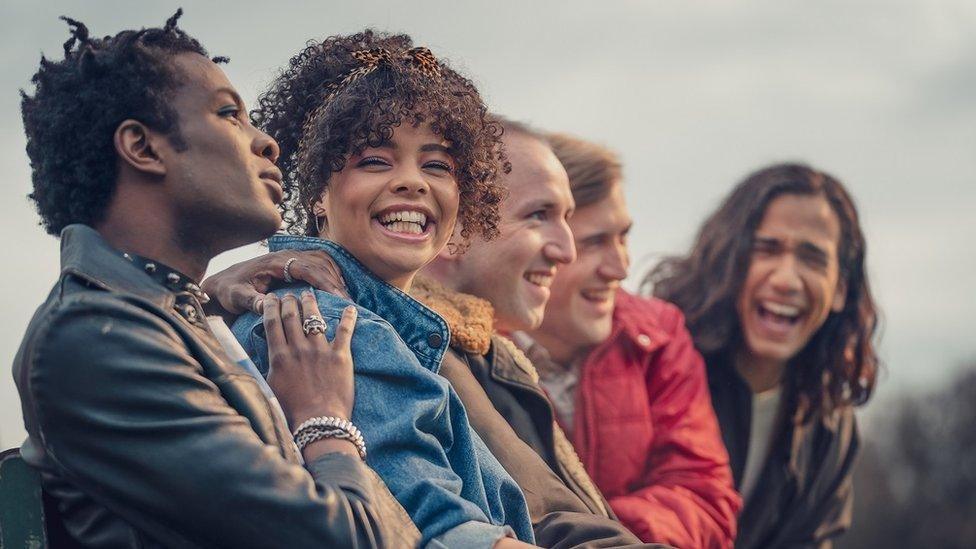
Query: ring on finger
column 288, row 263
column 313, row 325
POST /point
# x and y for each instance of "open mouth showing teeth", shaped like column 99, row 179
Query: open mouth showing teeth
column 537, row 279
column 777, row 312
column 597, row 295
column 408, row 222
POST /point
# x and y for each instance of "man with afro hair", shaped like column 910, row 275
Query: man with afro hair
column 145, row 430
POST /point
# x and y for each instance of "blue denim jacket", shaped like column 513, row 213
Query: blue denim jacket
column 417, row 432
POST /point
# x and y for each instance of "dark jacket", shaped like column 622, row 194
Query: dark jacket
column 499, row 387
column 805, row 495
column 148, row 435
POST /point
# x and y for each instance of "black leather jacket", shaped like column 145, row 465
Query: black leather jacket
column 805, row 494
column 147, row 434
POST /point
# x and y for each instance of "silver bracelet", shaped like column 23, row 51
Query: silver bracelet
column 320, row 427
column 309, row 435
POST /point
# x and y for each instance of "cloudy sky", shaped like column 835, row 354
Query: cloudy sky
column 693, row 95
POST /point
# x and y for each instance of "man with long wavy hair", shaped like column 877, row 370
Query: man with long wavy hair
column 775, row 294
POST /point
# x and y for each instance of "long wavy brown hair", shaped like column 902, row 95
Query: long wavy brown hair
column 838, row 366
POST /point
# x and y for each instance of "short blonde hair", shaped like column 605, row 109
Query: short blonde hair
column 593, row 169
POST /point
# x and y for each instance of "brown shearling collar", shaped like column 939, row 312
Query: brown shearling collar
column 470, row 319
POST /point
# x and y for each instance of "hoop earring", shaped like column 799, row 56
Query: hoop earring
column 318, row 228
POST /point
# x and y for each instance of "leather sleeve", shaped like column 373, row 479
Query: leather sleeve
column 687, row 497
column 128, row 417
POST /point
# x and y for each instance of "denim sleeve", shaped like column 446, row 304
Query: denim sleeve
column 404, row 412
column 476, row 535
column 249, row 331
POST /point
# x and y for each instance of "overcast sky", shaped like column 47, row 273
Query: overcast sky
column 693, row 95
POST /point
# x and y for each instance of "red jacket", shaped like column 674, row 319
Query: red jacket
column 647, row 434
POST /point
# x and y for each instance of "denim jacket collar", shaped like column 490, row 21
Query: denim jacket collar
column 424, row 331
column 86, row 255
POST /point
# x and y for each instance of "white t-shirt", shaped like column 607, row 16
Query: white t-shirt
column 765, row 407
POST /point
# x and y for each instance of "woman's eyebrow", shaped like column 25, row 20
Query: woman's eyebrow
column 434, row 147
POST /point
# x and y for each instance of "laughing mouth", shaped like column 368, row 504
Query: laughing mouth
column 778, row 312
column 539, row 279
column 404, row 221
column 598, row 295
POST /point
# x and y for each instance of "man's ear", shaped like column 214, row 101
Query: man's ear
column 450, row 251
column 138, row 147
column 840, row 296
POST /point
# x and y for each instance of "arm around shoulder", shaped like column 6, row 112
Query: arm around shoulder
column 128, row 416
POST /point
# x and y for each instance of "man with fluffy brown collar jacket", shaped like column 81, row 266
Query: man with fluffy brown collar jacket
column 500, row 286
column 499, row 386
column 495, row 381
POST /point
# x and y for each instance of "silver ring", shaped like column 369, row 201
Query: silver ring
column 313, row 325
column 288, row 263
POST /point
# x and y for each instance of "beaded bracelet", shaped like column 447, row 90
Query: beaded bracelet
column 320, row 427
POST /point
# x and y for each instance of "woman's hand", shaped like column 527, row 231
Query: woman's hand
column 310, row 375
column 242, row 287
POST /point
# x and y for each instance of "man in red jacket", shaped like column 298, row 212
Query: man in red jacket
column 625, row 379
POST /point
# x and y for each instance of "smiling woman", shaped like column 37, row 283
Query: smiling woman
column 384, row 150
column 393, row 206
column 345, row 94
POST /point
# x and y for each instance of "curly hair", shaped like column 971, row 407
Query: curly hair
column 79, row 102
column 838, row 366
column 319, row 118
